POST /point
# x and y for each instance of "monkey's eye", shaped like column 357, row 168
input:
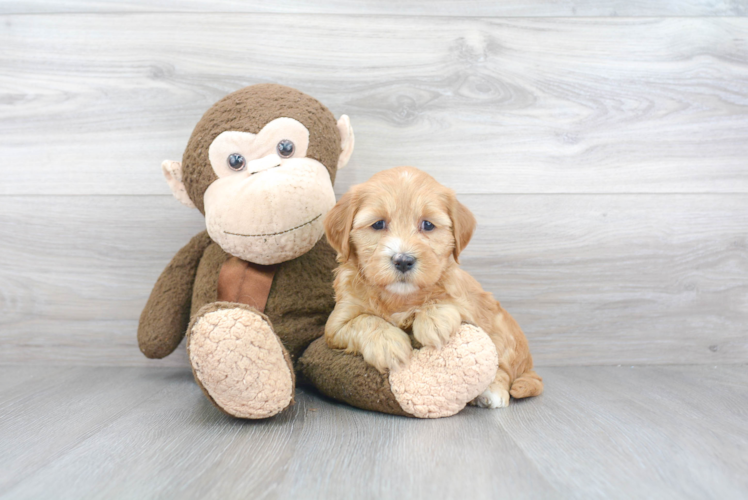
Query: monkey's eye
column 285, row 148
column 427, row 226
column 379, row 225
column 236, row 162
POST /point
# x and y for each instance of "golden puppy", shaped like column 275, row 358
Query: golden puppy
column 398, row 238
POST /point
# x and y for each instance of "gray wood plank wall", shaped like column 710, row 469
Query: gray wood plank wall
column 606, row 158
column 468, row 8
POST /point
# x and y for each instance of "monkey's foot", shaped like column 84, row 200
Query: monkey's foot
column 239, row 361
column 440, row 382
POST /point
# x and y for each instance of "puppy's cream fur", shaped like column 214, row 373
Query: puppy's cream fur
column 377, row 304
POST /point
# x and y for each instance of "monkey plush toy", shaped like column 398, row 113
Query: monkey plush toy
column 253, row 292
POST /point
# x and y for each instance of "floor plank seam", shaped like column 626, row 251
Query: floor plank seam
column 73, row 446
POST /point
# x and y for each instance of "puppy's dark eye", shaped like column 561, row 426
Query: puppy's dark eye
column 285, row 148
column 236, row 162
column 427, row 226
column 379, row 225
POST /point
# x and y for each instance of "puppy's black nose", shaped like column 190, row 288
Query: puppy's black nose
column 403, row 262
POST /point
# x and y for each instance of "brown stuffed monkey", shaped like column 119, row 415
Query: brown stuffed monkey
column 253, row 292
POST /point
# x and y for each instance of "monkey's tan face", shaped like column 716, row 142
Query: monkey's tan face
column 269, row 201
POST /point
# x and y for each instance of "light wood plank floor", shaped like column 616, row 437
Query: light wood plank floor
column 143, row 432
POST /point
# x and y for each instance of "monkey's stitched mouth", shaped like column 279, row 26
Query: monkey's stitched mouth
column 275, row 234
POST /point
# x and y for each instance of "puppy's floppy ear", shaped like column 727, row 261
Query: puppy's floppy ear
column 338, row 223
column 463, row 225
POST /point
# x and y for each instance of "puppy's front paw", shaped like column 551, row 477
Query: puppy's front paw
column 435, row 324
column 389, row 347
column 492, row 398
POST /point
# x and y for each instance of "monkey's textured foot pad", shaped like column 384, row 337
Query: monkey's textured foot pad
column 240, row 363
column 440, row 382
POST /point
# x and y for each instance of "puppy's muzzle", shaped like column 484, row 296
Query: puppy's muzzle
column 403, row 262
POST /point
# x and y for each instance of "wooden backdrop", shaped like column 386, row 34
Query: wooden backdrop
column 603, row 146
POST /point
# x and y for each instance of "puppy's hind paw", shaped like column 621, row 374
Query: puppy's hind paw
column 492, row 398
column 389, row 348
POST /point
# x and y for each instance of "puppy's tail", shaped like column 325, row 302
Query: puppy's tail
column 527, row 385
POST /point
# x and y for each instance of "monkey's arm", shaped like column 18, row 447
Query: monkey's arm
column 165, row 317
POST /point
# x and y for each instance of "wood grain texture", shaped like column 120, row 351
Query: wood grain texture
column 602, row 432
column 653, row 423
column 12, row 377
column 505, row 8
column 91, row 104
column 592, row 279
column 43, row 418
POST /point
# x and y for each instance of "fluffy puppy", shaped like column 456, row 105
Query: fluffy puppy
column 398, row 238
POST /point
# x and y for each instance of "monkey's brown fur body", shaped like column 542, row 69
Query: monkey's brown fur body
column 298, row 305
column 246, row 357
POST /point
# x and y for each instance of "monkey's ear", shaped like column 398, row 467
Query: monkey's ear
column 338, row 223
column 346, row 141
column 173, row 173
column 463, row 225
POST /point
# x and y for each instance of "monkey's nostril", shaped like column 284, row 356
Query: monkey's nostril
column 403, row 262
